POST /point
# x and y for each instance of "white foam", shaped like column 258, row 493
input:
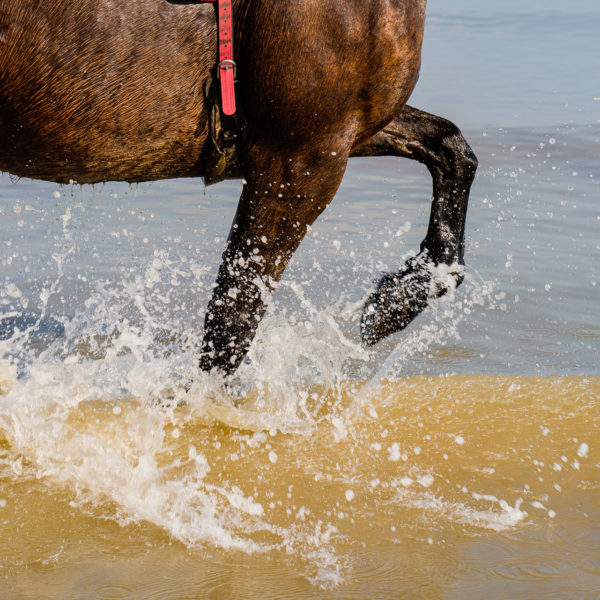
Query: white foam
column 496, row 520
column 99, row 421
column 96, row 408
column 583, row 450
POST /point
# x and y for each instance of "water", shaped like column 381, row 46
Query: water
column 457, row 459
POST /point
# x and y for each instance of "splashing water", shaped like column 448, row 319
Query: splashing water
column 321, row 464
column 108, row 403
column 108, row 409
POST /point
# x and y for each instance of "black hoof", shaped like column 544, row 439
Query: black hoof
column 400, row 297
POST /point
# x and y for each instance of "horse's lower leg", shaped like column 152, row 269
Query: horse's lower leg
column 439, row 144
column 283, row 195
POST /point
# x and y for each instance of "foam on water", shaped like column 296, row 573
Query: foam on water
column 100, row 405
column 497, row 520
column 100, row 395
column 233, row 471
column 62, row 422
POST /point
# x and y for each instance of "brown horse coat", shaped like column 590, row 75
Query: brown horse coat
column 96, row 90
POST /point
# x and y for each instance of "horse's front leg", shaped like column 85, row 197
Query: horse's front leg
column 439, row 144
column 284, row 193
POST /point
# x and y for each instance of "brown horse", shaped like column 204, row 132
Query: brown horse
column 97, row 90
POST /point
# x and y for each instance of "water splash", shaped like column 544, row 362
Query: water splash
column 109, row 402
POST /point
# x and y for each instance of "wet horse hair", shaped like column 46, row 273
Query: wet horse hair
column 97, row 90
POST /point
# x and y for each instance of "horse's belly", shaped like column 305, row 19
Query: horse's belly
column 96, row 154
column 92, row 90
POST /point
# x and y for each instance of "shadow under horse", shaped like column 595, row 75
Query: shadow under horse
column 99, row 90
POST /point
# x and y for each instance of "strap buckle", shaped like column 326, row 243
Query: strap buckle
column 226, row 64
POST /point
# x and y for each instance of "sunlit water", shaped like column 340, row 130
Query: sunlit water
column 458, row 459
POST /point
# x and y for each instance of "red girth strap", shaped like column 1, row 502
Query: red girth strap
column 226, row 66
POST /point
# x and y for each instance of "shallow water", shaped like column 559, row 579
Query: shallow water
column 479, row 485
column 323, row 465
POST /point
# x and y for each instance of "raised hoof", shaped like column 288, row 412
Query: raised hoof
column 400, row 297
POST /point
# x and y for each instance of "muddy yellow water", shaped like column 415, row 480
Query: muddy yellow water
column 450, row 487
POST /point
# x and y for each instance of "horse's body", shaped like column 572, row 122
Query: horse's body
column 96, row 90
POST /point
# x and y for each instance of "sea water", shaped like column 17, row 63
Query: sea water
column 456, row 459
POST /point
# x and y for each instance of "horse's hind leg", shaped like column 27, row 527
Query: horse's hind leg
column 439, row 144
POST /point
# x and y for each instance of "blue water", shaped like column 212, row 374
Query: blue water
column 519, row 78
column 532, row 64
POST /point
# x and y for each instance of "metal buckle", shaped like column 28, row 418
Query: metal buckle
column 226, row 64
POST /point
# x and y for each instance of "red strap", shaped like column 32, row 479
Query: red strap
column 226, row 66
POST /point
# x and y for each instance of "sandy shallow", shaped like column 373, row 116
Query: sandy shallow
column 466, row 486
